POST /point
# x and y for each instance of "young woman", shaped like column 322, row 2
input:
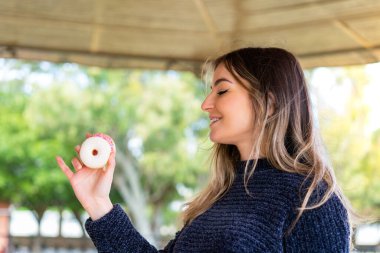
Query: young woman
column 271, row 188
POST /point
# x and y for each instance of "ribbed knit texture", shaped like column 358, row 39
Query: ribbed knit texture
column 239, row 222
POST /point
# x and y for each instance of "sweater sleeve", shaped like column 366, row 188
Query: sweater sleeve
column 114, row 232
column 323, row 229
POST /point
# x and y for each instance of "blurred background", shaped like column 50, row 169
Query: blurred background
column 133, row 71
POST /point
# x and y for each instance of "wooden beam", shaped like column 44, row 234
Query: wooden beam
column 288, row 6
column 356, row 37
column 341, row 51
column 101, row 59
column 206, row 16
column 97, row 30
column 109, row 60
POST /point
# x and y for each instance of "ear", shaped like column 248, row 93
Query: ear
column 271, row 105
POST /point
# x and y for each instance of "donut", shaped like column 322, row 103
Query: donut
column 95, row 151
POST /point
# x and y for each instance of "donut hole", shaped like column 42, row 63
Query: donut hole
column 94, row 152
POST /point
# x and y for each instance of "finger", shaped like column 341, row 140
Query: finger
column 69, row 174
column 77, row 149
column 88, row 135
column 110, row 168
column 77, row 164
column 111, row 162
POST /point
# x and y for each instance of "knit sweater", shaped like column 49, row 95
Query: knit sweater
column 239, row 222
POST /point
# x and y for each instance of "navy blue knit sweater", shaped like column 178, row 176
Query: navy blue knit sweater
column 242, row 223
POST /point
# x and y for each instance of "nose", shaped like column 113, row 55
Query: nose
column 208, row 103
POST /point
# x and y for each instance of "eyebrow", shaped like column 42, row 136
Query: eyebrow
column 219, row 81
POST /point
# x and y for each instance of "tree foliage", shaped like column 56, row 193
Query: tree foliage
column 153, row 116
column 353, row 148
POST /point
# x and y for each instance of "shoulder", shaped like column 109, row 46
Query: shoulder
column 326, row 227
column 273, row 181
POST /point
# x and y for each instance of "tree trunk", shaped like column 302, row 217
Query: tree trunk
column 78, row 218
column 36, row 248
column 157, row 220
column 60, row 210
column 129, row 187
column 353, row 238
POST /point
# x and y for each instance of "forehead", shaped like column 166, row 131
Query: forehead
column 222, row 72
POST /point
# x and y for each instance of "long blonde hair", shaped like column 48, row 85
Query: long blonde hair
column 288, row 137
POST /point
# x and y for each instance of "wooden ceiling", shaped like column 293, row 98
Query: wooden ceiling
column 182, row 34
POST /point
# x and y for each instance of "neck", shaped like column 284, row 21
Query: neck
column 246, row 153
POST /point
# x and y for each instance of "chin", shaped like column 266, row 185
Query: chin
column 218, row 139
column 215, row 140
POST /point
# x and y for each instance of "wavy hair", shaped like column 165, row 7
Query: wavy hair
column 288, row 136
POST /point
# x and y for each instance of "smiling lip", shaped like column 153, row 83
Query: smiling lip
column 213, row 120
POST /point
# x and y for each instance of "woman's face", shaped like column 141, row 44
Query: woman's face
column 230, row 111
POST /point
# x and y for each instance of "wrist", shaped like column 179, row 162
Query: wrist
column 98, row 208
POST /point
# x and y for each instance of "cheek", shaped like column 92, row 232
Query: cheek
column 243, row 123
column 244, row 118
column 242, row 112
column 240, row 118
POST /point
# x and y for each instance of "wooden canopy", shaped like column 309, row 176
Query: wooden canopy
column 181, row 34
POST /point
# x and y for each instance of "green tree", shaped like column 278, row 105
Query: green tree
column 153, row 116
column 353, row 149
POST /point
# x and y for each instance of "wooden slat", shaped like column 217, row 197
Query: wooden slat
column 158, row 43
column 304, row 40
column 165, row 15
column 35, row 32
column 168, row 14
column 226, row 17
column 76, row 11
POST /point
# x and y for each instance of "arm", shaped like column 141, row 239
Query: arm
column 116, row 230
column 108, row 225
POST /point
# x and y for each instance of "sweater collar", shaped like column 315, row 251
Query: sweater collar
column 262, row 164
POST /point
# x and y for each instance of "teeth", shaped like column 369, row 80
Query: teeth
column 214, row 120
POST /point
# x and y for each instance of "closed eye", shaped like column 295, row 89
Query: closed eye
column 222, row 92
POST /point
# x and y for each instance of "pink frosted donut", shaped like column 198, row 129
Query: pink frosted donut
column 95, row 151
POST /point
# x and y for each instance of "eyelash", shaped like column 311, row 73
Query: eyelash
column 221, row 92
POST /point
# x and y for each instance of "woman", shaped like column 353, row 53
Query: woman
column 271, row 189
